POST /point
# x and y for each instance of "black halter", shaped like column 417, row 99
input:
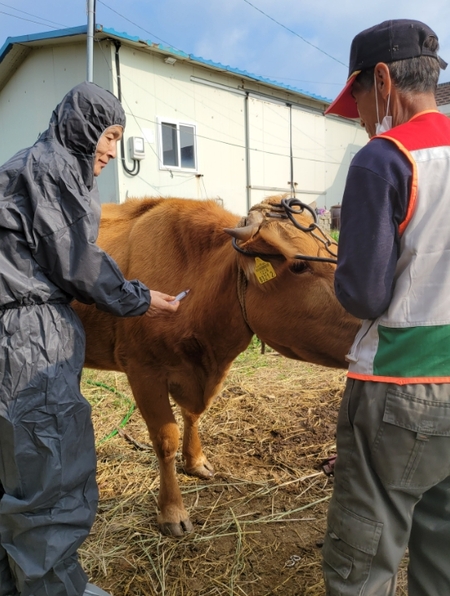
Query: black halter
column 286, row 210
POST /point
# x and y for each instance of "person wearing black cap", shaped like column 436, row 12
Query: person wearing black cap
column 392, row 473
column 49, row 220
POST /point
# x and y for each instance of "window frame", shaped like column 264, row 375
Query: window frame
column 177, row 124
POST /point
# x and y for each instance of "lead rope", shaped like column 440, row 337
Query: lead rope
column 241, row 289
column 242, row 283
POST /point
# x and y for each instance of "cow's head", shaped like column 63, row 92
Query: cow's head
column 289, row 265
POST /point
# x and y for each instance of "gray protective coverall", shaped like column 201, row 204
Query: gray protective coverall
column 49, row 219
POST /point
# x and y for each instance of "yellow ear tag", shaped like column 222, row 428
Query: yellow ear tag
column 264, row 270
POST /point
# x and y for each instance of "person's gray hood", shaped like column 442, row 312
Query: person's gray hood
column 79, row 121
column 50, row 214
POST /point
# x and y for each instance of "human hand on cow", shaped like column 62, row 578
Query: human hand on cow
column 161, row 302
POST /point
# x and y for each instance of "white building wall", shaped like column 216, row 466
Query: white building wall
column 342, row 140
column 27, row 100
column 310, row 157
column 153, row 90
column 243, row 144
column 219, row 116
column 269, row 142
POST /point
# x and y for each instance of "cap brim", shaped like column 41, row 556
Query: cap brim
column 344, row 104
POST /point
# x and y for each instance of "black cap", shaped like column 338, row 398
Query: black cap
column 390, row 41
column 387, row 42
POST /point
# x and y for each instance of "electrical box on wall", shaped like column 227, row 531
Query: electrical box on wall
column 137, row 148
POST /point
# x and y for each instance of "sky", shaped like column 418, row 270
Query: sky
column 301, row 43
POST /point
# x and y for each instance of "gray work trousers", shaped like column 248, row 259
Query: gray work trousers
column 391, row 491
column 47, row 452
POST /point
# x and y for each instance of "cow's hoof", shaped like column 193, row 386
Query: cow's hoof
column 176, row 530
column 204, row 470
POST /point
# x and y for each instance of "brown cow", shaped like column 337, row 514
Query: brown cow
column 175, row 244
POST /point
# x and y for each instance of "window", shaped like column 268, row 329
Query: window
column 177, row 145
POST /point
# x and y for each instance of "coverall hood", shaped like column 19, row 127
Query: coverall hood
column 79, row 121
column 50, row 213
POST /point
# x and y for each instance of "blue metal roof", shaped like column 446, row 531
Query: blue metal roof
column 218, row 65
column 11, row 41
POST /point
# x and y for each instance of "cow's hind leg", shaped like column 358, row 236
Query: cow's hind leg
column 153, row 402
column 195, row 461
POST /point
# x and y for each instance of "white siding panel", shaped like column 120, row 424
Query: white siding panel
column 221, row 145
column 308, row 133
column 269, row 142
column 29, row 97
column 343, row 139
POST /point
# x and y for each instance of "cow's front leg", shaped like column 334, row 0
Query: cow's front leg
column 173, row 519
column 195, row 461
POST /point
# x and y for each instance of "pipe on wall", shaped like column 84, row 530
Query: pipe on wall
column 247, row 154
column 134, row 171
column 90, row 40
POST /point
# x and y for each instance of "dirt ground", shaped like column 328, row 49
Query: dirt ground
column 258, row 523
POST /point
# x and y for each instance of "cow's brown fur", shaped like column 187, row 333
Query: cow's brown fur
column 175, row 244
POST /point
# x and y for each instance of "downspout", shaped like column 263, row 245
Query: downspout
column 137, row 164
column 247, row 153
column 291, row 151
column 90, row 40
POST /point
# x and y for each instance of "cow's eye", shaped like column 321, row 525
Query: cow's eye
column 299, row 267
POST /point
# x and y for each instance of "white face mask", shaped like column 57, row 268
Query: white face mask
column 386, row 123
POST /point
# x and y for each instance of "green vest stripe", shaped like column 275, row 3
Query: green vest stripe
column 413, row 351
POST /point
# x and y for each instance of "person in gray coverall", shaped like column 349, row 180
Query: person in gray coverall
column 49, row 220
